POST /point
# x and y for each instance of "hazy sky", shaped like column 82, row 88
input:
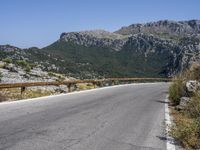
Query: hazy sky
column 27, row 23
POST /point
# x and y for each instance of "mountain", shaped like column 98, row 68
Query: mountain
column 177, row 28
column 156, row 49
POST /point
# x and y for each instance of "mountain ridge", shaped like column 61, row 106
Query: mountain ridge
column 156, row 49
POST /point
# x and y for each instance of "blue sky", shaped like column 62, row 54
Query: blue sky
column 27, row 23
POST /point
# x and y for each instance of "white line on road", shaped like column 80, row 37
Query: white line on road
column 170, row 140
column 72, row 93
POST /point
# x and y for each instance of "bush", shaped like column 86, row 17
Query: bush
column 2, row 98
column 194, row 72
column 22, row 63
column 7, row 60
column 28, row 69
column 176, row 91
column 25, row 65
column 193, row 107
column 187, row 132
column 51, row 74
column 187, row 125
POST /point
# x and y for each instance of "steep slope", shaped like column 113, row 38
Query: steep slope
column 141, row 55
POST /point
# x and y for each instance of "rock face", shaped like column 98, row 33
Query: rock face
column 98, row 38
column 11, row 73
column 161, row 48
column 180, row 28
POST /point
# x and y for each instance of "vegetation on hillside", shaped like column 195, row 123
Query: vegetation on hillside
column 187, row 121
column 97, row 62
column 24, row 64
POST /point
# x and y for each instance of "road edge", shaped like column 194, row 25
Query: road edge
column 170, row 141
column 72, row 93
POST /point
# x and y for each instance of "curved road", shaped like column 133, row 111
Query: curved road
column 126, row 117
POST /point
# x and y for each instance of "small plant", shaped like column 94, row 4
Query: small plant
column 7, row 60
column 51, row 74
column 22, row 63
column 25, row 65
column 176, row 91
column 2, row 98
column 28, row 68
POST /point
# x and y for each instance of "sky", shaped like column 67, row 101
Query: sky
column 38, row 23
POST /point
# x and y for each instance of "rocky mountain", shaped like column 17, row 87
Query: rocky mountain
column 178, row 28
column 156, row 49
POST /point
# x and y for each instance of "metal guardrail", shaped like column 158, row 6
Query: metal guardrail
column 69, row 83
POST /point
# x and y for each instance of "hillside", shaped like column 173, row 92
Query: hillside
column 156, row 49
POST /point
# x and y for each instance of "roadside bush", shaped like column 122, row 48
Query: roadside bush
column 7, row 60
column 193, row 108
column 176, row 91
column 187, row 132
column 2, row 98
column 187, row 121
column 194, row 72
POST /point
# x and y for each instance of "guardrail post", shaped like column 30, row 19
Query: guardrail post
column 22, row 91
column 100, row 84
column 113, row 82
column 69, row 86
column 94, row 84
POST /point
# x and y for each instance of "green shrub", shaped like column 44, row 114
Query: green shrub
column 176, row 91
column 32, row 65
column 22, row 63
column 28, row 69
column 25, row 65
column 51, row 74
column 7, row 60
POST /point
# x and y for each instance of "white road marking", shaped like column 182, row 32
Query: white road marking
column 170, row 140
column 75, row 92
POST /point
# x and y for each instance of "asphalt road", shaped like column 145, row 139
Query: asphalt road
column 128, row 117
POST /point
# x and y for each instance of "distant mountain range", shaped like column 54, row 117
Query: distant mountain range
column 156, row 49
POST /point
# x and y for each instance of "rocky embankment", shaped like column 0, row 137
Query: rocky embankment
column 13, row 73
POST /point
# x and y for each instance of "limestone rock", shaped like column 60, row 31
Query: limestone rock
column 192, row 85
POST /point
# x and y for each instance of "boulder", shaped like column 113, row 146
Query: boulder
column 192, row 85
column 183, row 102
column 10, row 67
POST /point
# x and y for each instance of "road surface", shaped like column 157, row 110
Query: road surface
column 127, row 117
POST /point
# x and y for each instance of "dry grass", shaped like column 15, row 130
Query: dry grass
column 176, row 90
column 187, row 122
column 186, row 130
column 15, row 94
column 84, row 86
